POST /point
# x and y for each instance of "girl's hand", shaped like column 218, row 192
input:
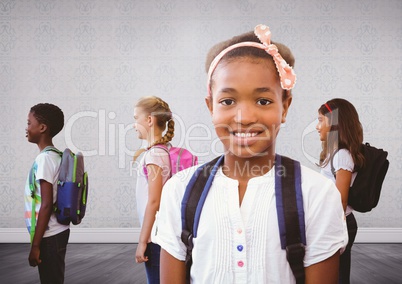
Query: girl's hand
column 139, row 254
column 33, row 258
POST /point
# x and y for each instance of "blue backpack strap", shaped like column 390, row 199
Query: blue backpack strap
column 289, row 204
column 191, row 206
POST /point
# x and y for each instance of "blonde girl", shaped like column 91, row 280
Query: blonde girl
column 152, row 116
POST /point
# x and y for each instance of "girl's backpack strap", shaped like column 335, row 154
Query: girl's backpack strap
column 193, row 200
column 164, row 147
column 289, row 206
column 332, row 163
column 289, row 202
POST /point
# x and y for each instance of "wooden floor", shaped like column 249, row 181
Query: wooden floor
column 114, row 264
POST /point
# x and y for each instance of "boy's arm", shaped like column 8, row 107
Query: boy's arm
column 325, row 271
column 172, row 270
column 45, row 212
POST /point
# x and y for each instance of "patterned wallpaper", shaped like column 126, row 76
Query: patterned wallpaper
column 96, row 58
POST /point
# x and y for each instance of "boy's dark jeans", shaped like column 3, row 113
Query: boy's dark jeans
column 153, row 251
column 53, row 253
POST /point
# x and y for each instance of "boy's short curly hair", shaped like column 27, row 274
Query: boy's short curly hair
column 51, row 115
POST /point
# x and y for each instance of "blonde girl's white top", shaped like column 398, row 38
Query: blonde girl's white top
column 241, row 244
column 341, row 160
column 155, row 156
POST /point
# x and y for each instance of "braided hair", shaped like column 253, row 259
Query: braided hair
column 158, row 108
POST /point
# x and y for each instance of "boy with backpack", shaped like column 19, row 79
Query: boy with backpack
column 48, row 237
column 236, row 236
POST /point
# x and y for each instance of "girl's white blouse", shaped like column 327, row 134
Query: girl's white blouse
column 241, row 244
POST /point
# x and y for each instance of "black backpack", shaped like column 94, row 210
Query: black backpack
column 289, row 204
column 365, row 192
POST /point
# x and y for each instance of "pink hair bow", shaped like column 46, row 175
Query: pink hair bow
column 286, row 73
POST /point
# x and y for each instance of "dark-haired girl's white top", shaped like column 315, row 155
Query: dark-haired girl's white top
column 342, row 160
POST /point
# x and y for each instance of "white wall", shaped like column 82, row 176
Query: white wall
column 96, row 58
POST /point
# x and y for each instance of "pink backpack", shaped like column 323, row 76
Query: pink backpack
column 180, row 158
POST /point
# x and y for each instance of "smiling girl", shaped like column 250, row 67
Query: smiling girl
column 249, row 95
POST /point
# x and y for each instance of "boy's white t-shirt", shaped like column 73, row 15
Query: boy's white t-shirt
column 46, row 167
column 158, row 157
column 242, row 244
column 341, row 160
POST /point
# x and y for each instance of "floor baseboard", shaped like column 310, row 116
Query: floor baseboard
column 131, row 235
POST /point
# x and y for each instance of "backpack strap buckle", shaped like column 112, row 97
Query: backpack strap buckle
column 187, row 239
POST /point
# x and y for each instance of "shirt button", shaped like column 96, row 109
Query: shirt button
column 240, row 263
column 239, row 247
column 239, row 231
